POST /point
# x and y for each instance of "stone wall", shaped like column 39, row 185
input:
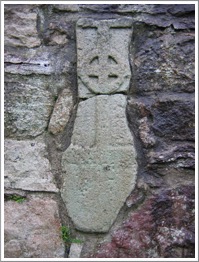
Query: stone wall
column 45, row 116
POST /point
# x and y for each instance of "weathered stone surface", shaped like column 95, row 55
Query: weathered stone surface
column 177, row 155
column 163, row 15
column 99, row 166
column 102, row 49
column 135, row 198
column 21, row 26
column 75, row 250
column 96, row 8
column 54, row 84
column 153, row 9
column 67, row 8
column 29, row 61
column 27, row 108
column 61, row 112
column 56, row 31
column 147, row 138
column 162, row 227
column 180, row 16
column 181, row 10
column 169, row 119
column 58, row 39
column 145, row 9
column 174, row 119
column 32, row 229
column 27, row 166
column 27, row 67
column 163, row 60
column 43, row 60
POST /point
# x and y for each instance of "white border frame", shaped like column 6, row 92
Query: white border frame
column 2, row 129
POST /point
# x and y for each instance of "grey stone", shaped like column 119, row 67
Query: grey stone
column 27, row 108
column 21, row 26
column 75, row 250
column 145, row 133
column 162, row 15
column 100, row 164
column 27, row 166
column 58, row 39
column 18, row 192
column 32, row 228
column 67, row 8
column 27, row 62
column 43, row 60
column 61, row 112
column 39, row 66
column 102, row 49
column 159, row 60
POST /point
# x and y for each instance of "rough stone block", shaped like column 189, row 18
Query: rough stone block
column 162, row 227
column 162, row 60
column 29, row 61
column 27, row 108
column 21, row 26
column 51, row 60
column 32, row 229
column 174, row 119
column 27, row 166
column 66, row 8
column 102, row 49
column 61, row 112
column 75, row 250
column 99, row 166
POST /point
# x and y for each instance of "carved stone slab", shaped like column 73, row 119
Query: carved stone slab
column 102, row 56
column 99, row 166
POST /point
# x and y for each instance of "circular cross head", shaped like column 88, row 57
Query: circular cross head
column 102, row 72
